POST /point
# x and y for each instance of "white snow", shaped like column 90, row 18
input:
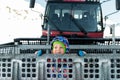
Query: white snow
column 17, row 20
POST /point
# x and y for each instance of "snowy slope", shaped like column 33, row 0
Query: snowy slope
column 17, row 20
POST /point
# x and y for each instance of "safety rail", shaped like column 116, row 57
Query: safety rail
column 89, row 49
column 31, row 45
column 75, row 41
column 7, row 49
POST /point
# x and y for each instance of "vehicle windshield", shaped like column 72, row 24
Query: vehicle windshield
column 61, row 15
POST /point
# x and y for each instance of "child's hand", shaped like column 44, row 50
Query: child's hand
column 81, row 53
column 38, row 53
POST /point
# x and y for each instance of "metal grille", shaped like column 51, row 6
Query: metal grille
column 60, row 69
column 91, row 68
column 24, row 67
column 28, row 68
column 7, row 50
column 18, row 62
column 5, row 68
column 115, row 68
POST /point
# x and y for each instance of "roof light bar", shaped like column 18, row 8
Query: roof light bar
column 93, row 0
column 74, row 0
column 82, row 0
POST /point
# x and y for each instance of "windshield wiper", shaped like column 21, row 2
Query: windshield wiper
column 48, row 19
column 79, row 26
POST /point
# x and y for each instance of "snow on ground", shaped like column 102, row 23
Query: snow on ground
column 17, row 20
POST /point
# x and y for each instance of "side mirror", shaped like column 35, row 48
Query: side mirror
column 32, row 3
column 117, row 4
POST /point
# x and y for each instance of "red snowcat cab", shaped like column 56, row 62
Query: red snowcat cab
column 73, row 18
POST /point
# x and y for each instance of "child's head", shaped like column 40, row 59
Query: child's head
column 59, row 45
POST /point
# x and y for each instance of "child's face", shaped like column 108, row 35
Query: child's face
column 58, row 49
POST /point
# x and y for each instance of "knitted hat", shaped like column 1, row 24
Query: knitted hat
column 63, row 40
